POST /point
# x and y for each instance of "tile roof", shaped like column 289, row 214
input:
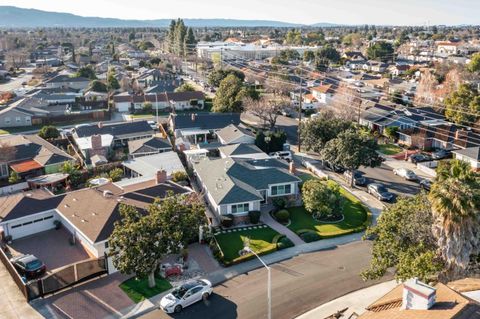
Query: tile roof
column 25, row 166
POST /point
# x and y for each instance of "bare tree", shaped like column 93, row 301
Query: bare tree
column 278, row 86
column 267, row 108
column 347, row 103
column 7, row 152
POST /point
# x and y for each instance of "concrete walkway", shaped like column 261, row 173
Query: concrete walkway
column 267, row 219
column 356, row 302
column 12, row 302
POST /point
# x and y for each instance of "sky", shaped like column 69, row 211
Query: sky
column 384, row 12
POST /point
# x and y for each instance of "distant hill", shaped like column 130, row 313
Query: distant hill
column 14, row 17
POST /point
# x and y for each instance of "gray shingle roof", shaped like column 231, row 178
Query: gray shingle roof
column 231, row 133
column 471, row 152
column 207, row 121
column 115, row 129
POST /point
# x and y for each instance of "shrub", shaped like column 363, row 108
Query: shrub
column 282, row 215
column 115, row 174
column 179, row 176
column 284, row 242
column 279, row 202
column 308, row 235
column 254, row 216
column 227, row 220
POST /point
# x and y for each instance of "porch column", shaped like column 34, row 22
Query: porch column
column 205, row 140
column 195, row 138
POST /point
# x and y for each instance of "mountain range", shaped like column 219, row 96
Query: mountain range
column 15, row 17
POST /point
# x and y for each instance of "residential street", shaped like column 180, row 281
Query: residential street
column 298, row 285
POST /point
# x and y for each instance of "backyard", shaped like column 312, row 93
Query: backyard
column 232, row 241
column 389, row 149
column 355, row 217
column 138, row 290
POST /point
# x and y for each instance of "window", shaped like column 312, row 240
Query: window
column 281, row 189
column 18, row 119
column 240, row 208
column 7, row 120
column 3, row 170
column 27, row 119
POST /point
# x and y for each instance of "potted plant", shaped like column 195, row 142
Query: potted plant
column 57, row 223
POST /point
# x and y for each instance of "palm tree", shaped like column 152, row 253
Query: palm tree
column 455, row 199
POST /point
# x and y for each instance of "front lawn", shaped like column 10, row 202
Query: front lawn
column 232, row 241
column 389, row 149
column 355, row 218
column 138, row 290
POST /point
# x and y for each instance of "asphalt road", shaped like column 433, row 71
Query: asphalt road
column 298, row 285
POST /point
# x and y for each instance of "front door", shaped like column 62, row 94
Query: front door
column 264, row 195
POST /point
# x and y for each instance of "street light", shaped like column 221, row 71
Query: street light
column 269, row 282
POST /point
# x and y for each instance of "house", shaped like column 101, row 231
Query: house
column 323, row 93
column 163, row 85
column 163, row 101
column 13, row 116
column 31, row 156
column 237, row 186
column 148, row 146
column 95, row 145
column 244, row 151
column 121, row 132
column 233, row 134
column 375, row 66
column 470, row 155
column 446, row 48
column 88, row 214
column 66, row 81
column 203, row 124
column 146, row 167
column 414, row 299
column 354, row 56
column 397, row 70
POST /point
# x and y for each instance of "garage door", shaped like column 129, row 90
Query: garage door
column 31, row 226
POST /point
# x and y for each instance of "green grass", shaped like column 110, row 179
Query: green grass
column 138, row 290
column 355, row 217
column 389, row 149
column 3, row 132
column 141, row 116
column 261, row 241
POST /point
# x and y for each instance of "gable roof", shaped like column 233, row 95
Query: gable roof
column 151, row 164
column 242, row 149
column 128, row 128
column 160, row 97
column 153, row 143
column 66, row 78
column 470, row 152
column 232, row 132
column 208, row 121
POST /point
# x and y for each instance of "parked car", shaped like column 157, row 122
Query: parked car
column 153, row 125
column 426, row 184
column 285, row 155
column 29, row 266
column 380, row 192
column 409, row 175
column 358, row 179
column 335, row 168
column 419, row 157
column 441, row 154
column 186, row 295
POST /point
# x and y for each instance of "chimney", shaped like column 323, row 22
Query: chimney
column 418, row 295
column 100, row 124
column 161, row 177
column 96, row 142
column 193, row 117
column 291, row 168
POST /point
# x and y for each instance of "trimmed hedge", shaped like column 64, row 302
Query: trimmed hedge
column 282, row 215
column 308, row 235
column 284, row 242
column 254, row 216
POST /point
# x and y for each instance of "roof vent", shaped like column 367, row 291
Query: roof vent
column 74, row 199
column 107, row 193
column 66, row 206
column 94, row 214
column 84, row 220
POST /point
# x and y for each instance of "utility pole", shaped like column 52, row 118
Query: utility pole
column 300, row 115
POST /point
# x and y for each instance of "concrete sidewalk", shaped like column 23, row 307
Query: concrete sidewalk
column 356, row 302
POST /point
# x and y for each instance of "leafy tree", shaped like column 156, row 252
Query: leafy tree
column 270, row 141
column 147, row 107
column 146, row 45
column 351, row 150
column 381, row 50
column 139, row 241
column 308, row 55
column 455, row 202
column 73, row 172
column 49, row 132
column 115, row 174
column 328, row 54
column 229, row 95
column 86, row 72
column 131, row 36
column 463, row 105
column 474, row 65
column 391, row 132
column 322, row 199
column 185, row 87
column 189, row 41
column 112, row 82
column 315, row 133
column 98, row 86
column 293, row 37
column 403, row 240
column 217, row 76
column 14, row 177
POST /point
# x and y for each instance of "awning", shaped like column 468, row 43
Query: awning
column 25, row 166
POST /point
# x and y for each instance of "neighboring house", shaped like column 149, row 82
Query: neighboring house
column 163, row 101
column 470, row 155
column 32, row 156
column 233, row 134
column 121, row 132
column 397, row 70
column 95, row 145
column 445, row 48
column 88, row 214
column 244, row 151
column 201, row 124
column 146, row 167
column 415, row 300
column 148, row 146
column 354, row 56
column 162, row 86
column 323, row 93
column 237, row 187
column 65, row 81
column 13, row 116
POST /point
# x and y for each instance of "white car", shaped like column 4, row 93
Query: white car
column 285, row 155
column 405, row 173
column 186, row 295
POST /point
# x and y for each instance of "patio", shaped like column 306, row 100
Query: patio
column 52, row 247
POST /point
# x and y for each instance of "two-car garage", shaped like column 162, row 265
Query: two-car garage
column 30, row 225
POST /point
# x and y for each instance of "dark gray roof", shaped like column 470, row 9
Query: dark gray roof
column 471, row 152
column 115, row 129
column 66, row 78
column 239, row 149
column 21, row 205
column 148, row 144
column 231, row 133
column 207, row 121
